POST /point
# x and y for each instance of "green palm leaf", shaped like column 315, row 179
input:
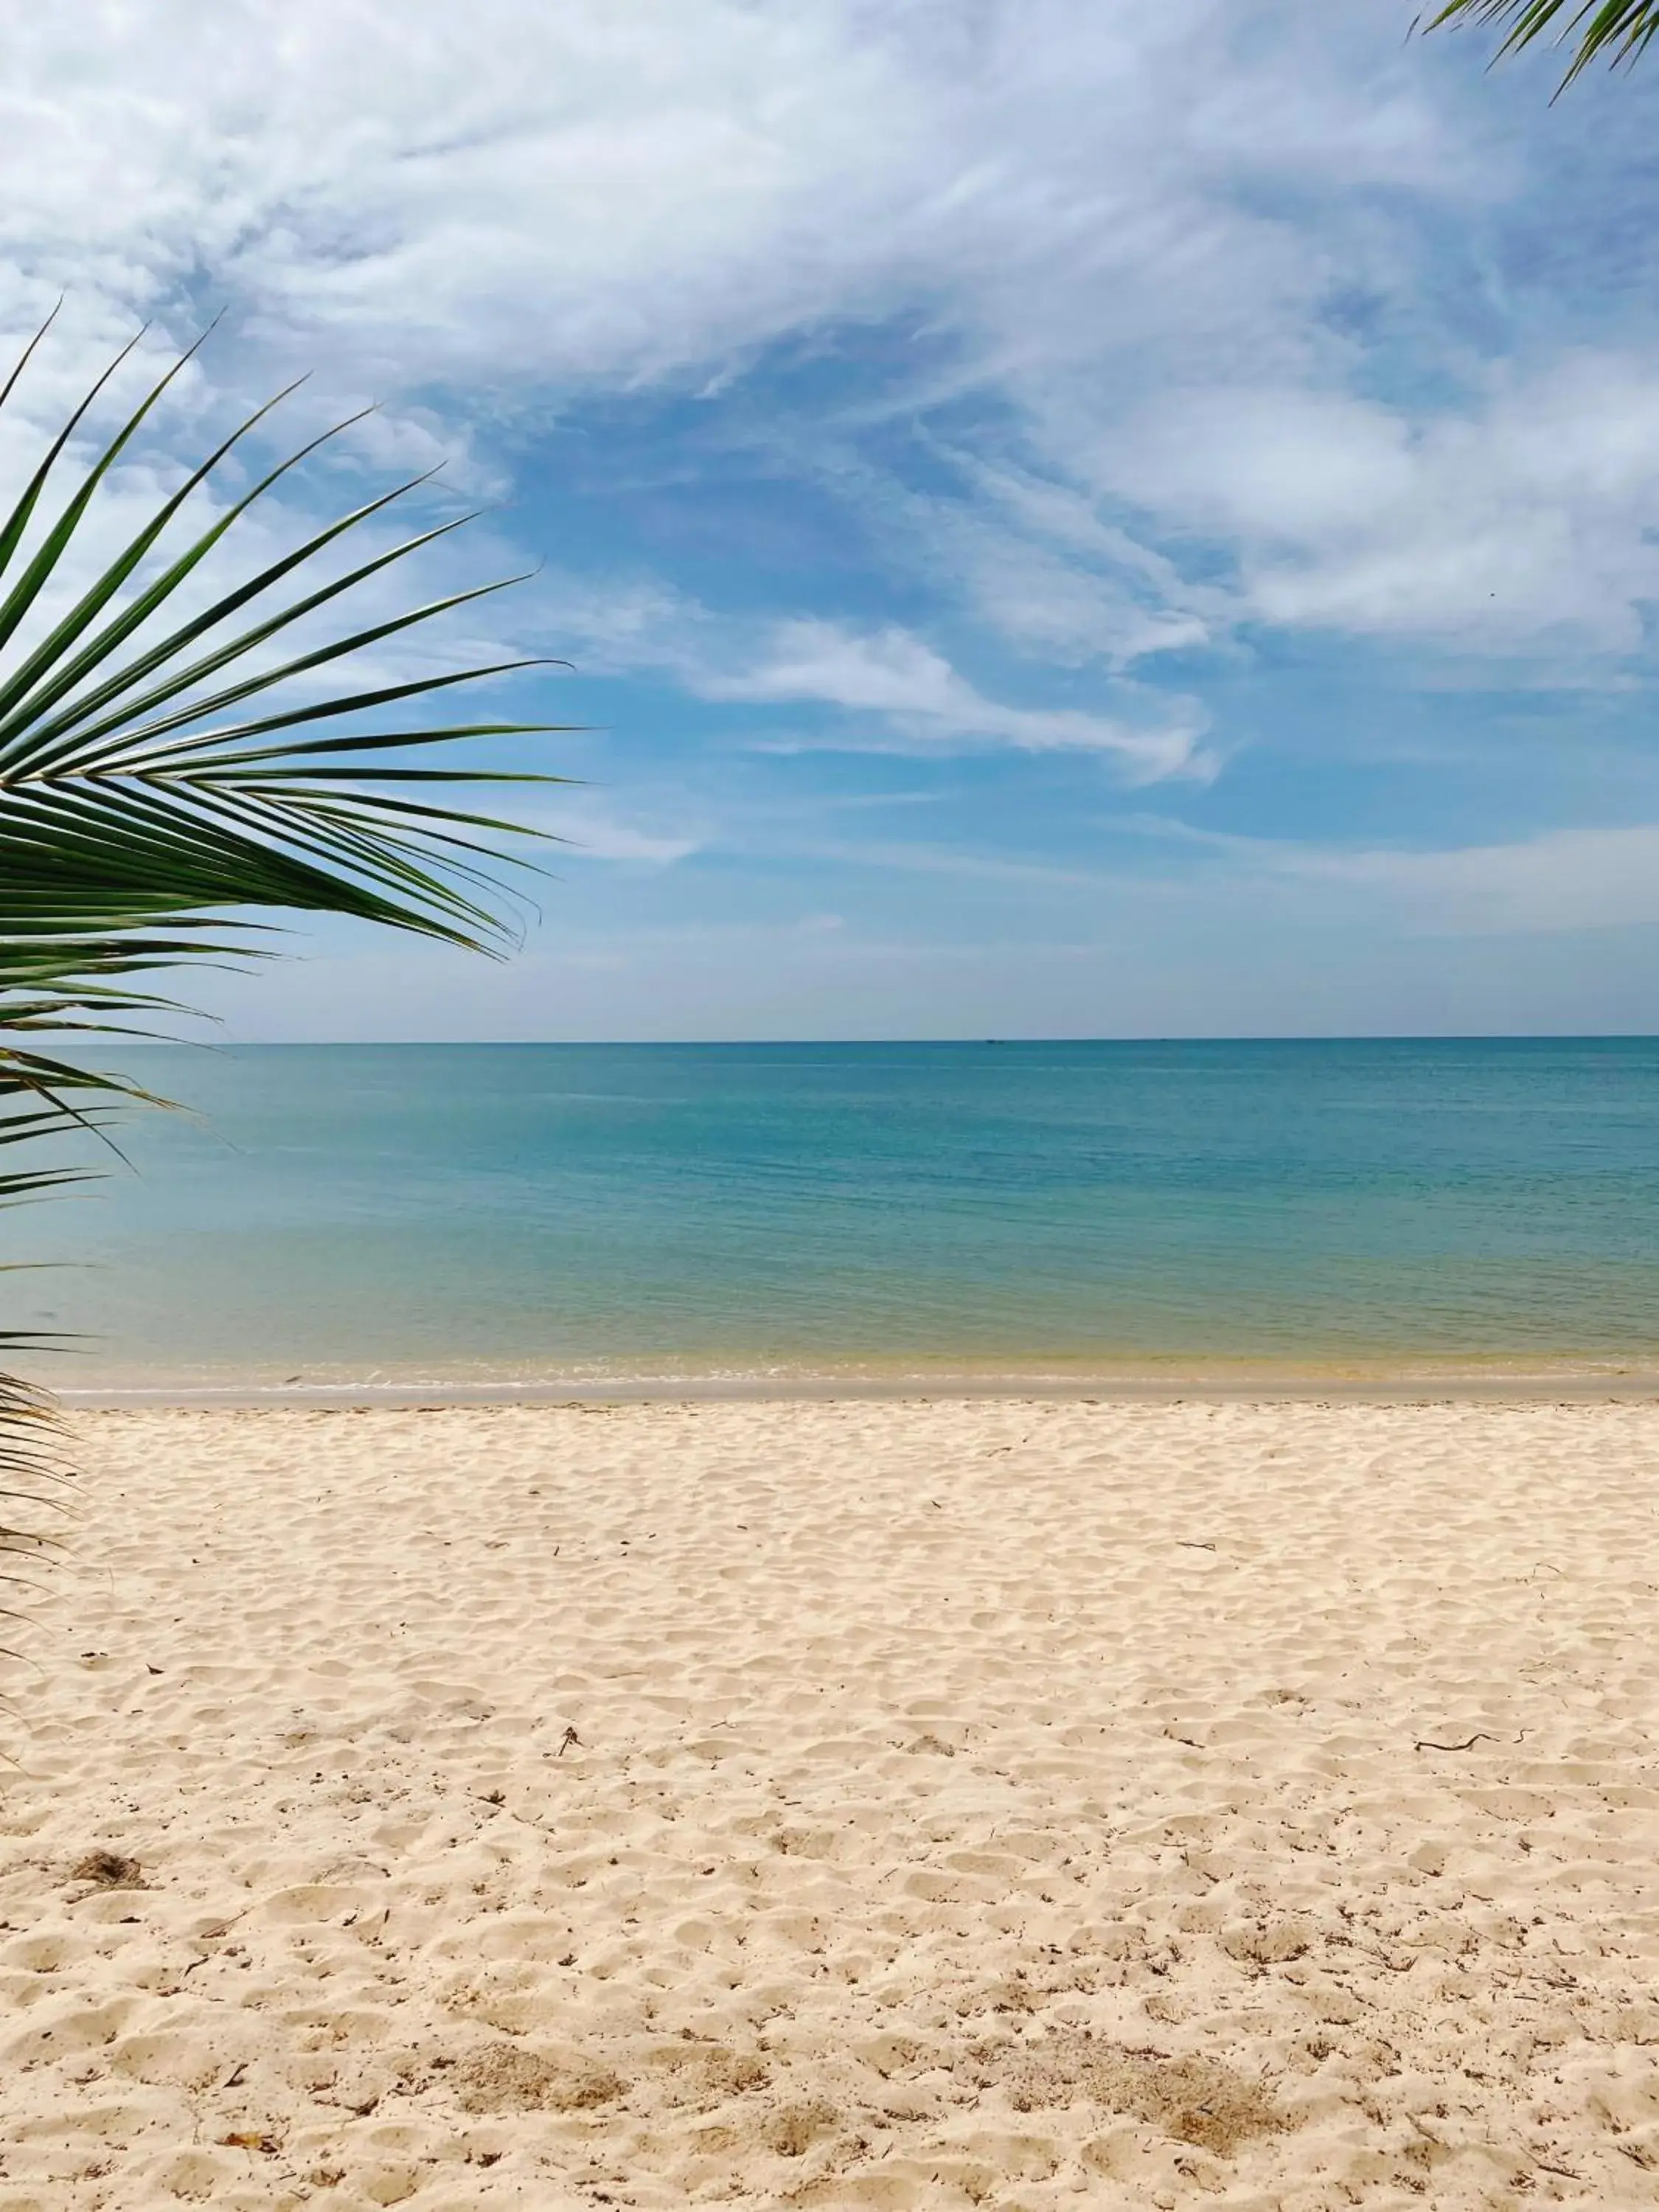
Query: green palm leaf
column 144, row 810
column 1617, row 28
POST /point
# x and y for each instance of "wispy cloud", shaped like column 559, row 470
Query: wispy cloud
column 593, row 832
column 893, row 674
column 1565, row 879
column 1049, row 393
column 1520, row 520
column 895, row 691
column 1559, row 880
column 534, row 201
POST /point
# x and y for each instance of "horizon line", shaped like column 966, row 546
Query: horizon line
column 851, row 1043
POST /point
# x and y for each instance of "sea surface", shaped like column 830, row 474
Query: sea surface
column 541, row 1214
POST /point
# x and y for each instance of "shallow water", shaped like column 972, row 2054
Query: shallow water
column 467, row 1212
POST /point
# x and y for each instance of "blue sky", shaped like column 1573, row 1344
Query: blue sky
column 1068, row 518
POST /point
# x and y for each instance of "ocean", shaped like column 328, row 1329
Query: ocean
column 542, row 1215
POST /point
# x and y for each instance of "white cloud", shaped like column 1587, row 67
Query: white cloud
column 1035, row 559
column 895, row 674
column 543, row 189
column 593, row 832
column 1127, row 325
column 1080, row 201
column 1524, row 522
column 1562, row 880
column 903, row 693
column 618, row 624
column 1567, row 879
column 1120, row 227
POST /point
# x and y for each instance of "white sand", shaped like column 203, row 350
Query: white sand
column 991, row 1804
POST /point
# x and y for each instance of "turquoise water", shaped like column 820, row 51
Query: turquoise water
column 467, row 1212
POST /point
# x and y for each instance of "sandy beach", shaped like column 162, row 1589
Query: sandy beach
column 868, row 1804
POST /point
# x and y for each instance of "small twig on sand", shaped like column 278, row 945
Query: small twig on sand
column 1428, row 1743
column 570, row 1737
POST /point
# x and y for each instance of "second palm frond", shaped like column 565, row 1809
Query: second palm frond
column 1617, row 30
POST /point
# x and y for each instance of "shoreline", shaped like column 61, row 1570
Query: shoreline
column 1255, row 1383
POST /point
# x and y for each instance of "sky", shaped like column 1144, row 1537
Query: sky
column 1066, row 517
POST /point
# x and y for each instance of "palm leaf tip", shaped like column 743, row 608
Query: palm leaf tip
column 1618, row 29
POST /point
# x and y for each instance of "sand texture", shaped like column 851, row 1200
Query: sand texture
column 882, row 1805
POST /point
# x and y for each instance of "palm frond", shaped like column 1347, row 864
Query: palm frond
column 145, row 813
column 1618, row 29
